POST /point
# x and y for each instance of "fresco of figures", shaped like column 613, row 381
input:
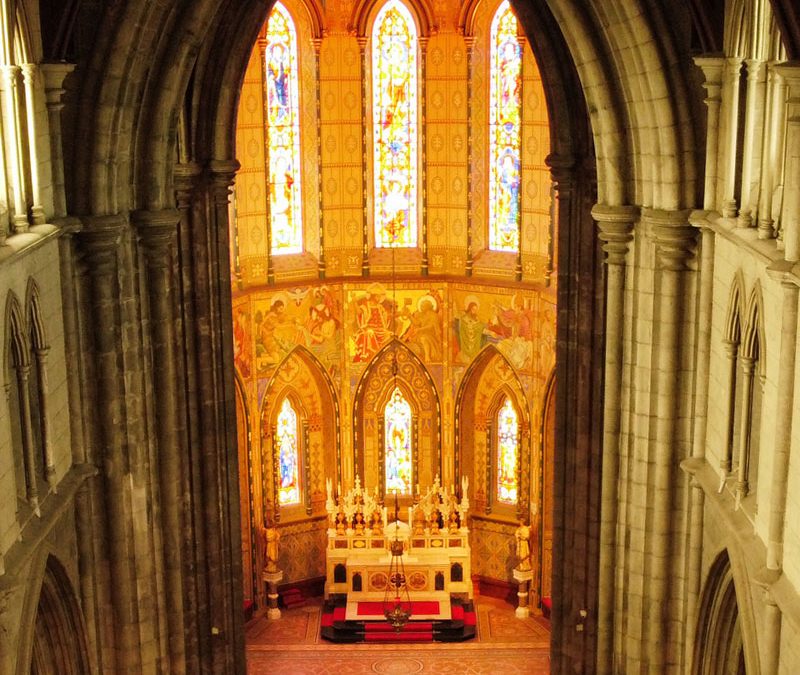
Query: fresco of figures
column 437, row 323
column 378, row 313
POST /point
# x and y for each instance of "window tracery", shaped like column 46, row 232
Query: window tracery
column 288, row 446
column 505, row 125
column 397, row 441
column 283, row 133
column 394, row 123
column 507, row 453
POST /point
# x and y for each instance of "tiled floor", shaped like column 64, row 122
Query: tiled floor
column 505, row 645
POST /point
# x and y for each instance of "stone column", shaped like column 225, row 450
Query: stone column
column 29, row 77
column 697, row 496
column 272, row 579
column 771, row 643
column 44, row 412
column 157, row 232
column 523, row 579
column 15, row 165
column 733, row 69
column 100, row 242
column 751, row 151
column 23, row 371
column 745, row 424
column 783, row 423
column 712, row 67
column 790, row 217
column 615, row 225
column 772, row 142
column 54, row 75
column 675, row 240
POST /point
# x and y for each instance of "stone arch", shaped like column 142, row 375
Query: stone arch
column 302, row 377
column 473, row 412
column 58, row 642
column 34, row 313
column 252, row 588
column 364, row 12
column 372, row 393
column 16, row 349
column 735, row 312
column 543, row 526
column 151, row 95
column 753, row 339
column 723, row 643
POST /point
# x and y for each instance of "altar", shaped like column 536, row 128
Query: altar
column 436, row 550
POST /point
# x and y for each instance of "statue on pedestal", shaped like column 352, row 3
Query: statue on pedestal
column 523, row 539
column 270, row 536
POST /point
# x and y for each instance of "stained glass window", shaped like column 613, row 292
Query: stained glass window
column 397, row 443
column 283, row 133
column 507, row 453
column 394, row 122
column 287, row 438
column 505, row 112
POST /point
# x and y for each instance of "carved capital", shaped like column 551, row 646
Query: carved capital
column 675, row 237
column 9, row 75
column 733, row 68
column 99, row 240
column 712, row 67
column 222, row 174
column 615, row 227
column 185, row 176
column 157, row 231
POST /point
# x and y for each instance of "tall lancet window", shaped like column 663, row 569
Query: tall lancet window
column 283, row 133
column 507, row 453
column 394, row 123
column 505, row 125
column 397, row 443
column 288, row 445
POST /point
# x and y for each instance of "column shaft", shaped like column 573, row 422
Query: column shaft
column 615, row 225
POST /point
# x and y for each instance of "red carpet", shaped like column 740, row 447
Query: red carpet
column 399, row 637
column 383, row 626
column 366, row 609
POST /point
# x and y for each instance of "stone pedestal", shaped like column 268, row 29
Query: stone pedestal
column 523, row 578
column 272, row 579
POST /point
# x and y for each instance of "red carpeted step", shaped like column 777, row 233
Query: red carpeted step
column 377, row 608
column 457, row 612
column 340, row 613
column 327, row 620
column 382, row 626
column 470, row 619
column 399, row 637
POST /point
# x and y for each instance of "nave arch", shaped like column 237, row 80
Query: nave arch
column 162, row 137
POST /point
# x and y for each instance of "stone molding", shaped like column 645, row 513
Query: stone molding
column 615, row 225
column 675, row 238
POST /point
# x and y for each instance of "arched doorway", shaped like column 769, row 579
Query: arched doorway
column 59, row 638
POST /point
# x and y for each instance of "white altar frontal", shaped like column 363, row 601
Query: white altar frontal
column 435, row 540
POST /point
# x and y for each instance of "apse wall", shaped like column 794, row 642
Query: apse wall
column 458, row 346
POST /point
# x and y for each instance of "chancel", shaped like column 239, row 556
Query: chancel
column 343, row 322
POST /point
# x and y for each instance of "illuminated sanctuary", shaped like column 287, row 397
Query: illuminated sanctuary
column 366, row 321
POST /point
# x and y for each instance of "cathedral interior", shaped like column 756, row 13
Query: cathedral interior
column 540, row 256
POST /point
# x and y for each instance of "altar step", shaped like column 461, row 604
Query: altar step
column 460, row 627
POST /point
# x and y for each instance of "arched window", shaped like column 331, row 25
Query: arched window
column 283, row 133
column 507, row 453
column 287, row 437
column 397, row 444
column 505, row 124
column 395, row 126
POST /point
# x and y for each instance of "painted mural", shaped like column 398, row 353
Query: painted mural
column 413, row 315
column 242, row 344
column 309, row 317
column 507, row 323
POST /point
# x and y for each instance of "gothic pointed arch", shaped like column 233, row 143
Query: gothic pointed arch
column 374, row 391
column 59, row 643
column 753, row 339
column 724, row 637
column 34, row 315
column 301, row 378
column 474, row 394
column 735, row 312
